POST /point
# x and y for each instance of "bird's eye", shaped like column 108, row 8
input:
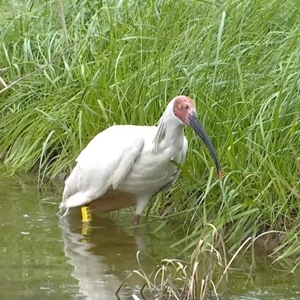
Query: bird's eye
column 179, row 106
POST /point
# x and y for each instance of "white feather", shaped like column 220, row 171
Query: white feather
column 104, row 162
column 134, row 160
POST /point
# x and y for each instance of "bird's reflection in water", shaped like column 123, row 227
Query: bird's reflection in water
column 102, row 255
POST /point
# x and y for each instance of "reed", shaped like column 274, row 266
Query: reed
column 107, row 62
column 204, row 276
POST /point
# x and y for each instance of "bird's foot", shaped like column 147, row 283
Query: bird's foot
column 136, row 220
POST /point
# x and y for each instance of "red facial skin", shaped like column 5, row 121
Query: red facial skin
column 183, row 107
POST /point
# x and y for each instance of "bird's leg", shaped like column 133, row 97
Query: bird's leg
column 141, row 203
column 86, row 213
column 136, row 220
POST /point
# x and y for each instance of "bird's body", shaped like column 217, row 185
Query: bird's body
column 127, row 165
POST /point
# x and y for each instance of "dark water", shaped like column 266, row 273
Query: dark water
column 43, row 257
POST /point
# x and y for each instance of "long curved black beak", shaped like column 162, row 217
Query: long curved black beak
column 199, row 129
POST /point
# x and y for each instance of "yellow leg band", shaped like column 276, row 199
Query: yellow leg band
column 86, row 214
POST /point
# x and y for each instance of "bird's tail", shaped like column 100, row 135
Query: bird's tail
column 61, row 214
column 75, row 200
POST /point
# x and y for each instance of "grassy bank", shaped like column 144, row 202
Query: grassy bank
column 122, row 61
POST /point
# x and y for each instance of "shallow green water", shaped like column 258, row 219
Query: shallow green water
column 45, row 258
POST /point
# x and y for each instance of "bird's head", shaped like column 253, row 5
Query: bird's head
column 184, row 109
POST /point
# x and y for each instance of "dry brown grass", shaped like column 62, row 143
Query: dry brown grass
column 203, row 277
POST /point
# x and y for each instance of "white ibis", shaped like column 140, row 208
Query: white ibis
column 127, row 165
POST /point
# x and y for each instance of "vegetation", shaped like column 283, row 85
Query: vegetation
column 202, row 277
column 106, row 62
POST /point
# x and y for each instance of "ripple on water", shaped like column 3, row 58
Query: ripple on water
column 44, row 257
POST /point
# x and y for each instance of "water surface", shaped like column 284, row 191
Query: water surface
column 44, row 257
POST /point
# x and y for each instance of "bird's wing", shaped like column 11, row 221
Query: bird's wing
column 104, row 163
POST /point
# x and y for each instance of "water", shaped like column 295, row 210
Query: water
column 45, row 258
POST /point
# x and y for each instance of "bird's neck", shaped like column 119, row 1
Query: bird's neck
column 170, row 132
column 174, row 132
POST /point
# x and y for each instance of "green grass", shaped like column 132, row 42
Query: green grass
column 122, row 61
